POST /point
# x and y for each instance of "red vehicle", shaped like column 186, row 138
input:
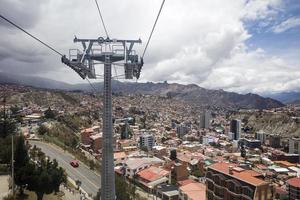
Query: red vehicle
column 74, row 163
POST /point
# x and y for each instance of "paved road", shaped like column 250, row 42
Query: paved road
column 90, row 180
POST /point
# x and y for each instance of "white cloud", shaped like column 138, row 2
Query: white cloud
column 202, row 42
column 287, row 24
column 254, row 72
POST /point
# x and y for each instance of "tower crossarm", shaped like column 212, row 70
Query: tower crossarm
column 96, row 50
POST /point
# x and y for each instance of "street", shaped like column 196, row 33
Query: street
column 90, row 181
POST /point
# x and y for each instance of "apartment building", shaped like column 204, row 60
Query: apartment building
column 227, row 181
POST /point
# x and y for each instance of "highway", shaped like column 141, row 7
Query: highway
column 89, row 179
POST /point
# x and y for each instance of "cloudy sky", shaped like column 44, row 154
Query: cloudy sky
column 235, row 45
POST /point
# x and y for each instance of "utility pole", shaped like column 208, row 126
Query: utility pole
column 107, row 52
column 12, row 146
column 4, row 116
column 12, row 165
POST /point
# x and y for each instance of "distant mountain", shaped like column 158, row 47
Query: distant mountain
column 286, row 97
column 34, row 82
column 198, row 95
column 295, row 102
column 191, row 93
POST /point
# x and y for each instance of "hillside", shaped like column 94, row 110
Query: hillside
column 191, row 93
column 286, row 97
column 276, row 123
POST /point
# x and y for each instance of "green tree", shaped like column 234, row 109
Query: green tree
column 122, row 189
column 44, row 178
column 197, row 173
column 5, row 150
column 92, row 164
column 7, row 127
column 173, row 154
column 49, row 114
column 21, row 160
column 42, row 130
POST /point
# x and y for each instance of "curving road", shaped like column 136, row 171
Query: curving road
column 89, row 179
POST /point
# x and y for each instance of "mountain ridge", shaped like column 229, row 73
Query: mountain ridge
column 191, row 93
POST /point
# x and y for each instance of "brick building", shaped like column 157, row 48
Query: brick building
column 226, row 181
column 293, row 187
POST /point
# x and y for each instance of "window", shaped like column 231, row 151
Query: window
column 210, row 185
column 248, row 192
column 295, row 147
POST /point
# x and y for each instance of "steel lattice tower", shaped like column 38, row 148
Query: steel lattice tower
column 107, row 52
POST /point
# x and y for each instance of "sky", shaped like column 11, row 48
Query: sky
column 236, row 45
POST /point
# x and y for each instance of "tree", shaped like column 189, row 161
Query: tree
column 7, row 126
column 42, row 130
column 45, row 178
column 122, row 189
column 92, row 164
column 49, row 114
column 42, row 177
column 21, row 160
column 173, row 154
column 197, row 173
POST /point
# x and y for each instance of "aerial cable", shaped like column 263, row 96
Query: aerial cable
column 92, row 86
column 101, row 18
column 12, row 23
column 161, row 7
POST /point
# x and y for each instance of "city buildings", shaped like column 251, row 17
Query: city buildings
column 167, row 192
column 293, row 188
column 261, row 136
column 205, row 119
column 151, row 177
column 294, row 145
column 147, row 140
column 228, row 181
column 182, row 130
column 192, row 191
column 134, row 165
column 235, row 128
column 274, row 141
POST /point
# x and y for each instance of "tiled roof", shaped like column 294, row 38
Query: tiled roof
column 248, row 176
column 194, row 191
column 153, row 173
column 185, row 182
column 295, row 182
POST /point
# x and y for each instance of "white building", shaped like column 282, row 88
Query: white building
column 231, row 136
column 134, row 165
column 147, row 140
column 261, row 136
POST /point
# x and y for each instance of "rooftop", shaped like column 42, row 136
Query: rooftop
column 120, row 155
column 134, row 163
column 96, row 136
column 153, row 173
column 194, row 191
column 295, row 182
column 248, row 176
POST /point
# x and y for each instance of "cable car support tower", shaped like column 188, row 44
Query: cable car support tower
column 107, row 52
